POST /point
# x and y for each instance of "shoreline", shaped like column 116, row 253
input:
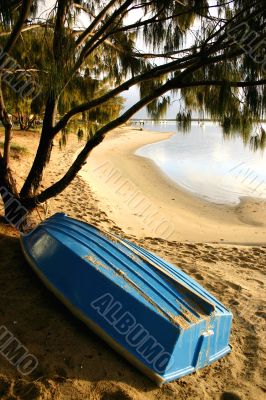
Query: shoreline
column 144, row 202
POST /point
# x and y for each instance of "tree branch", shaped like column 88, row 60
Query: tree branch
column 94, row 23
column 14, row 35
column 239, row 84
column 61, row 15
column 156, row 72
column 25, row 29
column 85, row 9
column 42, row 25
column 149, row 21
column 168, row 54
column 59, row 186
column 151, row 74
column 175, row 83
column 139, row 24
column 222, row 28
column 100, row 32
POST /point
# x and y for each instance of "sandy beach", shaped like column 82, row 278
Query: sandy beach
column 144, row 202
column 222, row 247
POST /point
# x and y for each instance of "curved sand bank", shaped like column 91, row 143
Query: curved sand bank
column 141, row 200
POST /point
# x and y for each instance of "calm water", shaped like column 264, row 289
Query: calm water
column 205, row 163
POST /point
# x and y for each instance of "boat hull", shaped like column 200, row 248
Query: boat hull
column 152, row 313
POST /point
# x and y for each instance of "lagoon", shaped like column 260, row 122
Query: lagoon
column 218, row 168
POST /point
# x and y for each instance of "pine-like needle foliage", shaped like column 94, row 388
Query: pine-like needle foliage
column 208, row 55
column 75, row 65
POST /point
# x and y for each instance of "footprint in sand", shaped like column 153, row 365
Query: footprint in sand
column 199, row 277
column 192, row 246
column 206, row 246
column 233, row 285
column 256, row 280
column 4, row 385
column 187, row 252
column 230, row 396
column 27, row 390
column 117, row 395
column 234, row 302
column 261, row 314
column 208, row 259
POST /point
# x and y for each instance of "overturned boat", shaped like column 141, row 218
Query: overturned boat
column 155, row 315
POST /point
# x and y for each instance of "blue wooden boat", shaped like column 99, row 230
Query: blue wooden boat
column 155, row 315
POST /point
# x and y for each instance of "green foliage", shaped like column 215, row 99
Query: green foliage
column 183, row 120
column 113, row 58
column 34, row 51
column 157, row 108
column 258, row 141
column 16, row 149
column 9, row 11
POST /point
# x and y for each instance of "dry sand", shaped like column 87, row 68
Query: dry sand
column 76, row 364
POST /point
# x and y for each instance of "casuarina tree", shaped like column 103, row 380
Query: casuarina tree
column 208, row 54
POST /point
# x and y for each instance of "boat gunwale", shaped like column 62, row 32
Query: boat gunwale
column 173, row 319
column 172, row 270
column 171, row 290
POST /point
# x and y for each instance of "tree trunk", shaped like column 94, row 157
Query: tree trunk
column 7, row 144
column 15, row 213
column 7, row 123
column 6, row 178
column 20, row 120
column 41, row 160
column 43, row 153
column 25, row 123
column 30, row 122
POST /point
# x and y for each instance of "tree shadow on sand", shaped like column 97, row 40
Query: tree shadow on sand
column 65, row 348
